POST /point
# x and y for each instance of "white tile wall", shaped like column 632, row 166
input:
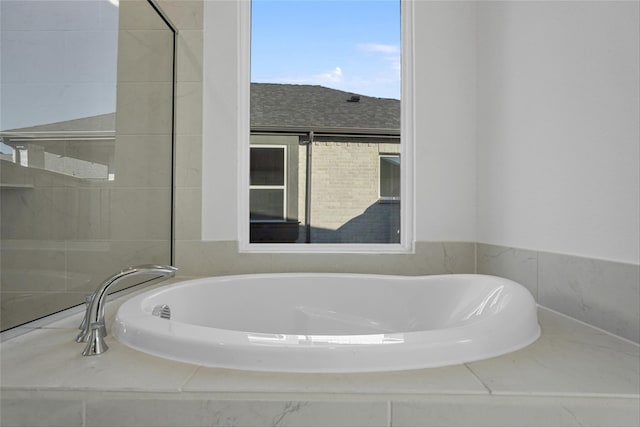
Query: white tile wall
column 584, row 359
column 195, row 258
column 602, row 293
column 453, row 380
column 41, row 412
column 245, row 413
column 137, row 160
column 156, row 65
column 573, row 375
column 518, row 265
column 514, row 411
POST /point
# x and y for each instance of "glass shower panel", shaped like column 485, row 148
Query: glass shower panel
column 86, row 149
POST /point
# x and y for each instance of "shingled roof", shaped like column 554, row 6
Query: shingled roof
column 288, row 106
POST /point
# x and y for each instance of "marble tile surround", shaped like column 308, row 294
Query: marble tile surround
column 565, row 378
column 215, row 258
column 602, row 293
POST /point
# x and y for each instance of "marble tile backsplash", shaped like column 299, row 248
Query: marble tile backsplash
column 602, row 293
column 244, row 413
column 432, row 411
column 574, row 375
column 206, row 258
column 508, row 411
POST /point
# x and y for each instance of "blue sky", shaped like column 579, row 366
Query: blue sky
column 351, row 45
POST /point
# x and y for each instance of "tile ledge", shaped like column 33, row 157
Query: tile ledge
column 308, row 395
column 559, row 394
column 595, row 328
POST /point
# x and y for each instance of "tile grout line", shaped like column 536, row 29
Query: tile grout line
column 466, row 365
column 189, row 378
column 588, row 325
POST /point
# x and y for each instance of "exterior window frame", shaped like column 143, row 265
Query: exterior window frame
column 407, row 131
column 380, row 196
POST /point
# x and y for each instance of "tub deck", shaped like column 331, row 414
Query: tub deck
column 573, row 375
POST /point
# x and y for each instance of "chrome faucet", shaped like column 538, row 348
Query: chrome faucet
column 93, row 328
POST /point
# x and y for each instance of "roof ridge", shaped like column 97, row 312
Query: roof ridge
column 304, row 105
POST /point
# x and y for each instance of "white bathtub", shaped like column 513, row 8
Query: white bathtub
column 331, row 322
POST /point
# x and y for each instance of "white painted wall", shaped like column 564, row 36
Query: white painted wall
column 445, row 109
column 444, row 131
column 220, row 130
column 558, row 138
column 526, row 130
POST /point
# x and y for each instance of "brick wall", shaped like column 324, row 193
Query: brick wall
column 344, row 194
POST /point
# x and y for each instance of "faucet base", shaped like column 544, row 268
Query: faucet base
column 85, row 334
column 95, row 343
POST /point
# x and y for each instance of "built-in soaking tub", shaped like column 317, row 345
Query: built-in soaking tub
column 330, row 322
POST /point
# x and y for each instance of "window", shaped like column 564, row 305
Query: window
column 390, row 177
column 268, row 177
column 335, row 184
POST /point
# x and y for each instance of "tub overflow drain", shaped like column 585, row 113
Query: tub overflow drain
column 162, row 311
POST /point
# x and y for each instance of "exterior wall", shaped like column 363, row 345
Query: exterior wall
column 345, row 203
column 345, row 206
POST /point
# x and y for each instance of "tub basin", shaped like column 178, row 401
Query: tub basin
column 302, row 322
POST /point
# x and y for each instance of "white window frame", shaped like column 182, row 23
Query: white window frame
column 407, row 131
column 282, row 187
column 380, row 196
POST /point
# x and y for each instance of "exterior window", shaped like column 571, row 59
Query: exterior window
column 324, row 150
column 268, row 177
column 390, row 177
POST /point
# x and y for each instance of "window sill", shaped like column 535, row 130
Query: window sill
column 328, row 248
column 389, row 201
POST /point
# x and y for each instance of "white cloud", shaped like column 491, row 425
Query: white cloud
column 327, row 78
column 334, row 76
column 387, row 49
column 387, row 52
column 382, row 82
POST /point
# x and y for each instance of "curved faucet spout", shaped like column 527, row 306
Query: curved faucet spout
column 95, row 307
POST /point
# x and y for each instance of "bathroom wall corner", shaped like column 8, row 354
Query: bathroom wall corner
column 605, row 294
column 519, row 265
column 602, row 293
